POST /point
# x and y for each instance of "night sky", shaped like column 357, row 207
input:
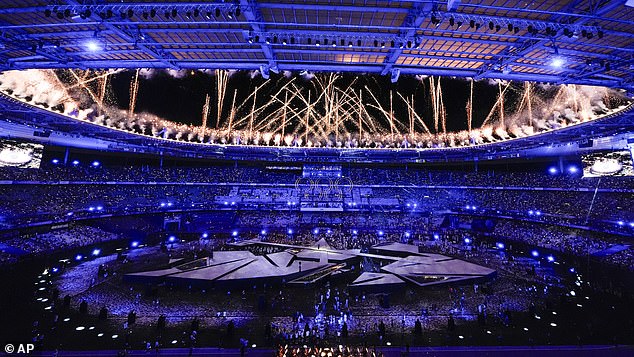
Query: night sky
column 181, row 99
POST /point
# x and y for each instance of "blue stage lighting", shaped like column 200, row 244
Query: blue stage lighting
column 95, row 163
column 550, row 258
column 134, row 244
column 172, row 239
column 315, row 231
column 290, row 231
column 263, row 232
column 234, row 233
column 55, row 161
column 354, row 231
column 79, row 257
column 573, row 169
column 380, row 233
column 467, row 241
column 407, row 234
column 553, row 171
column 75, row 162
column 538, row 213
column 535, row 253
column 500, row 245
column 205, row 235
column 436, row 236
column 96, row 252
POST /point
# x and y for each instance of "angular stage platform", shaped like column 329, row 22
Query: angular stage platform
column 394, row 266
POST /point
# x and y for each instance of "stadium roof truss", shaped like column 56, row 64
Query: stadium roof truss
column 556, row 41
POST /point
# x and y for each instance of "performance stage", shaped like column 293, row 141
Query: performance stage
column 386, row 267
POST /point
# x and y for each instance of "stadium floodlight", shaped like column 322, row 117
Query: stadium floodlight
column 557, row 62
column 93, row 46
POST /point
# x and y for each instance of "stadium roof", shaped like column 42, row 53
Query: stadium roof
column 558, row 41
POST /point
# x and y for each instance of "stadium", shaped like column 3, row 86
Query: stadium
column 317, row 178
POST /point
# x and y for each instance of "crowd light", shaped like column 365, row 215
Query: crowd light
column 55, row 161
column 95, row 164
column 162, row 204
column 620, row 223
column 315, row 231
column 75, row 162
column 500, row 245
column 290, row 231
column 354, row 231
column 172, row 239
column 96, row 252
column 263, row 232
column 538, row 213
column 553, row 171
column 467, row 241
column 79, row 257
column 234, row 233
column 134, row 244
column 205, row 235
column 91, row 209
column 530, row 212
column 573, row 169
column 436, row 236
column 380, row 233
column 550, row 258
column 535, row 253
column 99, row 208
column 407, row 234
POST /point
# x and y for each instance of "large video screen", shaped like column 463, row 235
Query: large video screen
column 20, row 154
column 613, row 163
